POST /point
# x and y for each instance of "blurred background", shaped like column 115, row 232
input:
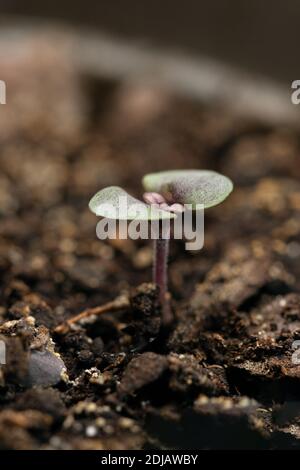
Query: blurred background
column 257, row 36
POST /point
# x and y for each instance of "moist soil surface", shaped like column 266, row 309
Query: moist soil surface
column 224, row 373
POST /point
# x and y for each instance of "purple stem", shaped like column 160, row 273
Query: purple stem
column 160, row 255
column 160, row 263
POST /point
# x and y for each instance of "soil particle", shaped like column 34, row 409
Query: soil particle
column 34, row 361
column 234, row 280
column 37, row 308
column 141, row 371
column 146, row 313
column 48, row 401
column 45, row 368
column 188, row 376
column 16, row 357
column 222, row 418
column 250, row 159
column 109, row 431
column 13, row 433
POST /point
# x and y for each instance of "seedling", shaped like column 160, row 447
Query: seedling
column 167, row 194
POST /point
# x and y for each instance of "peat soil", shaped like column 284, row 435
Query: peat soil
column 224, row 374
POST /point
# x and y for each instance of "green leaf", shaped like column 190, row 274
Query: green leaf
column 190, row 186
column 115, row 203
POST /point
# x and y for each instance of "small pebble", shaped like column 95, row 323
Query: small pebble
column 91, row 431
column 44, row 368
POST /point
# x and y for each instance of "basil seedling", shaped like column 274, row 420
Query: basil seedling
column 167, row 194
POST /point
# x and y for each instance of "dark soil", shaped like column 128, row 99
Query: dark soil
column 221, row 375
